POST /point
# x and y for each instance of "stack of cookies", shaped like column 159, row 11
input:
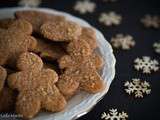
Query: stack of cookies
column 44, row 61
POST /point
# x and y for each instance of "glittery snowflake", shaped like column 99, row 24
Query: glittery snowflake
column 124, row 42
column 146, row 64
column 156, row 46
column 151, row 21
column 114, row 115
column 29, row 3
column 110, row 18
column 137, row 87
column 85, row 6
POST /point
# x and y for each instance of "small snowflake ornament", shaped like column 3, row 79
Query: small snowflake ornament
column 137, row 87
column 124, row 42
column 29, row 3
column 156, row 47
column 146, row 64
column 110, row 18
column 114, row 115
column 151, row 21
column 85, row 6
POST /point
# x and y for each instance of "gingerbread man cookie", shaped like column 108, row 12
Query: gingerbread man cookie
column 36, row 87
column 80, row 72
column 15, row 40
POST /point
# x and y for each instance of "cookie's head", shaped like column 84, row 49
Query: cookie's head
column 29, row 61
column 79, row 48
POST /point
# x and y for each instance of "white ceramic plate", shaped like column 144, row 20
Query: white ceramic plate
column 82, row 102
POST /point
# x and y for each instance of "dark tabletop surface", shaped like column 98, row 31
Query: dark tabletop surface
column 147, row 108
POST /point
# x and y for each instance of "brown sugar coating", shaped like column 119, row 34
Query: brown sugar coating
column 15, row 40
column 36, row 87
column 5, row 23
column 37, row 18
column 61, row 30
column 79, row 69
column 3, row 75
column 89, row 35
column 7, row 100
column 49, row 50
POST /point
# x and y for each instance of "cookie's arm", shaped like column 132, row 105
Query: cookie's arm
column 54, row 102
column 32, row 43
column 65, row 61
column 15, row 80
column 91, row 82
column 68, row 84
column 49, row 75
column 97, row 61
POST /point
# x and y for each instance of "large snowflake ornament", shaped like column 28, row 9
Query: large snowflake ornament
column 110, row 18
column 146, row 64
column 137, row 87
column 151, row 21
column 156, row 47
column 124, row 42
column 114, row 115
column 85, row 6
column 29, row 3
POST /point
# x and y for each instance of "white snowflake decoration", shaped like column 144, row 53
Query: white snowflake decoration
column 156, row 46
column 29, row 3
column 110, row 18
column 146, row 64
column 137, row 87
column 85, row 6
column 124, row 42
column 114, row 115
column 151, row 21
